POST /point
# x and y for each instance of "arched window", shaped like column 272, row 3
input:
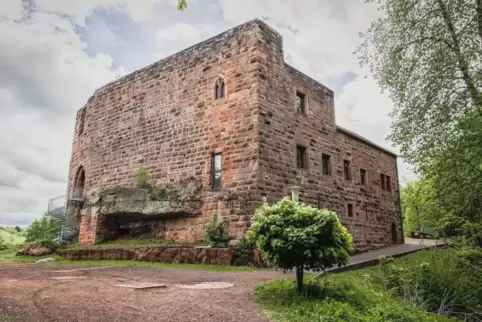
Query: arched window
column 219, row 88
column 79, row 184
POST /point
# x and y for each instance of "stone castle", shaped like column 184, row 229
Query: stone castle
column 222, row 127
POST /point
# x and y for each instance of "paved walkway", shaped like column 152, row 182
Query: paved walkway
column 411, row 245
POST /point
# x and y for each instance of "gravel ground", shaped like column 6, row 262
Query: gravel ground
column 30, row 292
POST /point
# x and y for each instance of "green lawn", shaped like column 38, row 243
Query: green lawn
column 351, row 296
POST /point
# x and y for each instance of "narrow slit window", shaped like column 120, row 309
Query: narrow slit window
column 350, row 210
column 346, row 170
column 219, row 88
column 301, row 157
column 300, row 103
column 382, row 181
column 325, row 164
column 388, row 183
column 217, row 171
column 363, row 176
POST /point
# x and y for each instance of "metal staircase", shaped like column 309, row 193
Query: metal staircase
column 57, row 209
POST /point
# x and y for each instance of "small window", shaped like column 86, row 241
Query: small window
column 346, row 170
column 350, row 210
column 382, row 181
column 325, row 164
column 216, row 171
column 301, row 157
column 388, row 183
column 363, row 176
column 219, row 88
column 300, row 103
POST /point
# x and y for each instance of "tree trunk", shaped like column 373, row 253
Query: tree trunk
column 479, row 18
column 299, row 278
column 463, row 65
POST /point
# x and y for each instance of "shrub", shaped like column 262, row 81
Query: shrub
column 45, row 229
column 290, row 235
column 443, row 282
column 214, row 232
column 243, row 253
column 3, row 244
column 142, row 178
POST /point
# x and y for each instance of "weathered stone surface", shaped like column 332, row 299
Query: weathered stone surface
column 166, row 254
column 38, row 251
column 165, row 118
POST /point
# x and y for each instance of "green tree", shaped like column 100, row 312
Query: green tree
column 45, row 229
column 419, row 206
column 181, row 5
column 291, row 235
column 427, row 54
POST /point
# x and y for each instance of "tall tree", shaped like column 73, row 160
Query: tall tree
column 428, row 55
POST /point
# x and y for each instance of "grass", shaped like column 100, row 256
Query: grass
column 133, row 243
column 351, row 296
column 8, row 255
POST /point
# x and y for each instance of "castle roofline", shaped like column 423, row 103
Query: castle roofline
column 189, row 50
column 364, row 140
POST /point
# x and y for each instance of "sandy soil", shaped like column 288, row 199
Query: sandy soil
column 30, row 292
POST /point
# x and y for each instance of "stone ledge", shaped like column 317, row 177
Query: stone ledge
column 164, row 254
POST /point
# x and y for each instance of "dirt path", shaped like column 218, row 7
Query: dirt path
column 90, row 294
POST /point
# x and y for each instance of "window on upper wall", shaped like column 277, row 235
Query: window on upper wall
column 363, row 176
column 325, row 164
column 301, row 157
column 219, row 88
column 388, row 183
column 350, row 210
column 216, row 175
column 300, row 102
column 346, row 170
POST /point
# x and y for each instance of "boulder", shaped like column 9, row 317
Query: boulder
column 39, row 251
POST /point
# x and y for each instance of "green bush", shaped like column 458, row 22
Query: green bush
column 244, row 252
column 443, row 282
column 3, row 244
column 291, row 235
column 142, row 178
column 214, row 232
column 44, row 230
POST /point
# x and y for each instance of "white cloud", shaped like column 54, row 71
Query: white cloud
column 139, row 11
column 46, row 77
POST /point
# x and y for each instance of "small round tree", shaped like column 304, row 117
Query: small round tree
column 291, row 235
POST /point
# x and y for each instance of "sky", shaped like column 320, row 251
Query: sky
column 55, row 53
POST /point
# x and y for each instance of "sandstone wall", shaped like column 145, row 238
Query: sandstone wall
column 282, row 128
column 165, row 118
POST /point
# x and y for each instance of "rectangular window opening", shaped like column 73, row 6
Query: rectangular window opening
column 382, row 181
column 325, row 164
column 388, row 183
column 346, row 170
column 300, row 102
column 301, row 157
column 363, row 176
column 216, row 171
column 350, row 210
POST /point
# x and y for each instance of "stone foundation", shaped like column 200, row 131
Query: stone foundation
column 164, row 254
